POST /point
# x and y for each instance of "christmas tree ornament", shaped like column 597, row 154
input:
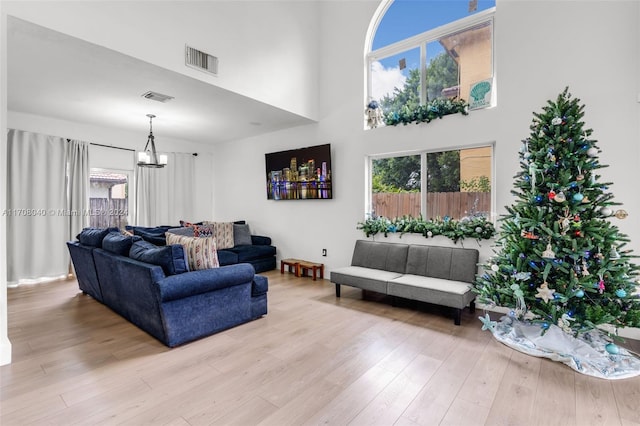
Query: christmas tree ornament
column 606, row 211
column 592, row 152
column 556, row 121
column 560, row 197
column 552, row 194
column 585, row 200
column 621, row 293
column 612, row 348
column 478, row 229
column 585, row 271
column 544, row 292
column 580, row 294
column 601, row 286
column 429, row 234
column 495, row 268
column 621, row 214
column 613, row 254
column 487, row 324
column 578, row 197
column 549, row 253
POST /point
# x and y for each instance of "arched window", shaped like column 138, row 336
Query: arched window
column 422, row 51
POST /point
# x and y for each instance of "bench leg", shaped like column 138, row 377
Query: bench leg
column 472, row 306
column 458, row 314
column 337, row 290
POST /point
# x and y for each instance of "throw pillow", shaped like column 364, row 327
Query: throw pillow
column 201, row 251
column 199, row 230
column 187, row 231
column 241, row 235
column 93, row 236
column 223, row 231
column 170, row 257
column 115, row 242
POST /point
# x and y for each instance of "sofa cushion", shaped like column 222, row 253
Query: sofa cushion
column 201, row 251
column 364, row 278
column 118, row 243
column 187, row 231
column 241, row 235
column 387, row 256
column 92, row 237
column 171, row 258
column 227, row 257
column 223, row 231
column 449, row 263
column 440, row 291
column 154, row 235
column 247, row 253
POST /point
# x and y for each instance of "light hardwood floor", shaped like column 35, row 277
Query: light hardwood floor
column 313, row 359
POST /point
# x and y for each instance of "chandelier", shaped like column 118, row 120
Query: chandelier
column 149, row 157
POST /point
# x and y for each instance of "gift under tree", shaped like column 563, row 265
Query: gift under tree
column 560, row 264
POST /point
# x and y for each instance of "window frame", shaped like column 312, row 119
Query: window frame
column 421, row 40
column 368, row 203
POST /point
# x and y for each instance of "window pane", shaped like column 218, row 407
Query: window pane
column 108, row 199
column 471, row 51
column 395, row 80
column 407, row 18
column 442, row 72
column 395, row 186
column 459, row 183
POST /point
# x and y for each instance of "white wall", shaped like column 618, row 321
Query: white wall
column 262, row 46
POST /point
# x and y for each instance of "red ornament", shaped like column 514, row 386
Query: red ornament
column 552, row 194
column 578, row 234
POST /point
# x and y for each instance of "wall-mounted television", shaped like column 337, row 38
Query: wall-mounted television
column 300, row 174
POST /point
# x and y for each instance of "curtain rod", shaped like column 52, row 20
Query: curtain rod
column 111, row 146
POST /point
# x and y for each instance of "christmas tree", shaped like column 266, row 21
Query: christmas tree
column 559, row 260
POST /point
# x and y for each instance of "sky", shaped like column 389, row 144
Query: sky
column 406, row 18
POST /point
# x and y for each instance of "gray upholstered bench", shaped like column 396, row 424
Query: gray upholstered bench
column 439, row 275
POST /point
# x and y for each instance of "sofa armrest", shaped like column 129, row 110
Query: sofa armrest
column 197, row 282
column 259, row 240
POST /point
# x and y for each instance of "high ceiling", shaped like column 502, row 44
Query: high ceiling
column 55, row 75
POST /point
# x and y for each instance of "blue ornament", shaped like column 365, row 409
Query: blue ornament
column 532, row 264
column 512, row 313
column 538, row 199
column 612, row 348
column 580, row 294
column 573, row 184
column 621, row 293
column 578, row 197
column 545, row 325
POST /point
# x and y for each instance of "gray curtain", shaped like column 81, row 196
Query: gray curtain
column 36, row 201
column 164, row 196
column 78, row 173
column 47, row 203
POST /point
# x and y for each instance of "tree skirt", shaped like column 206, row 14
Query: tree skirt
column 585, row 353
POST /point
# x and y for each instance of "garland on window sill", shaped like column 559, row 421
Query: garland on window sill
column 468, row 227
column 437, row 108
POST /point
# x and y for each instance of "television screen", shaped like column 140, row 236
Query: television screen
column 299, row 174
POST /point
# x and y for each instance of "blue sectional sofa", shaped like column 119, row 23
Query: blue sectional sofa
column 160, row 295
column 258, row 251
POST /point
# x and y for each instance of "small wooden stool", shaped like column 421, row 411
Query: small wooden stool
column 290, row 263
column 304, row 266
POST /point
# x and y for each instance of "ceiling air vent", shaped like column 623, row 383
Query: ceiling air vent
column 194, row 58
column 155, row 96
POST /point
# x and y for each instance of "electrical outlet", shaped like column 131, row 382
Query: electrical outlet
column 324, row 252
